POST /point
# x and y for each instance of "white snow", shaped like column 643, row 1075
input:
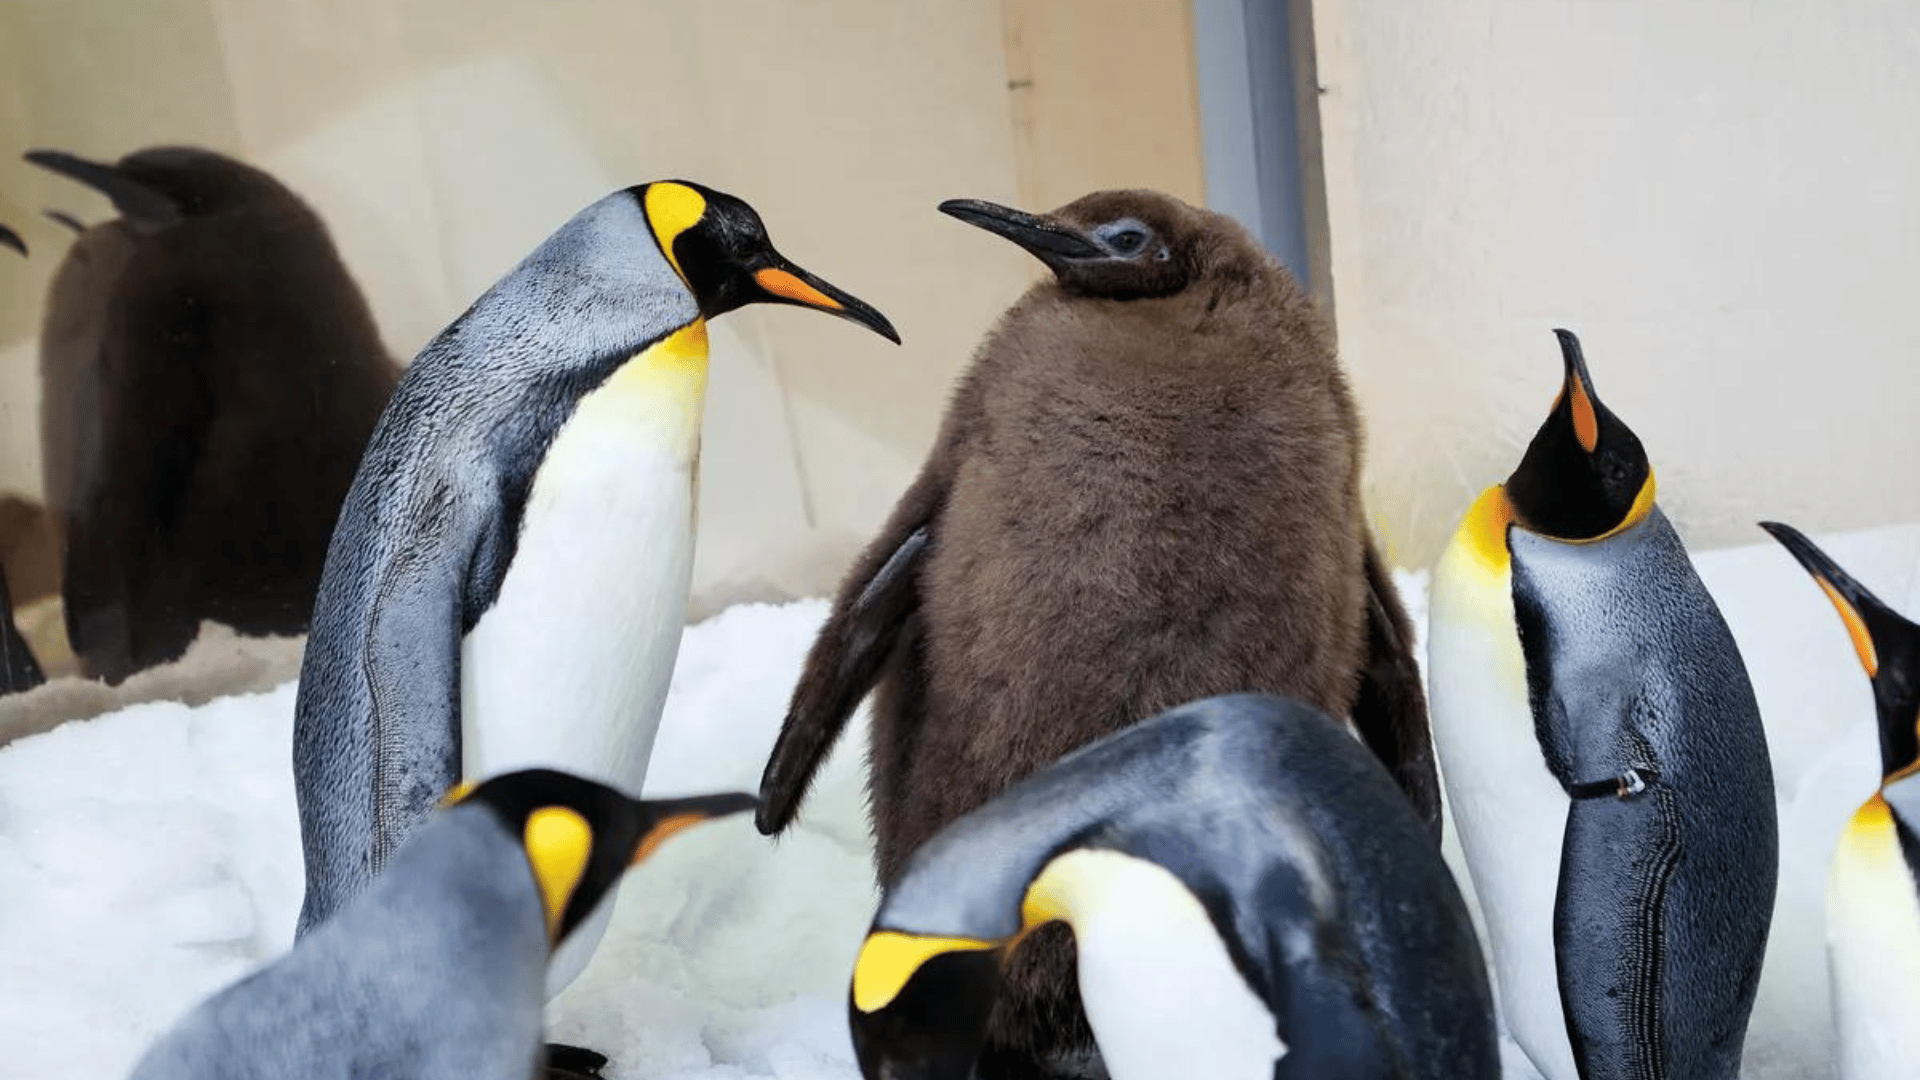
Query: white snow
column 150, row 856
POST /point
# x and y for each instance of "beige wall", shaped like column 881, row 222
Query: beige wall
column 441, row 139
column 1719, row 196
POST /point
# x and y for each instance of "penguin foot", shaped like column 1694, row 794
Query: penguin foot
column 573, row 1062
column 1629, row 783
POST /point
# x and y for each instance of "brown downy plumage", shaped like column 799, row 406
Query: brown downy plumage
column 210, row 374
column 1146, row 490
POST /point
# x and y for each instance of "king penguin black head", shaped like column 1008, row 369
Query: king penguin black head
column 720, row 248
column 9, row 238
column 1584, row 475
column 1887, row 644
column 162, row 186
column 1117, row 245
column 581, row 836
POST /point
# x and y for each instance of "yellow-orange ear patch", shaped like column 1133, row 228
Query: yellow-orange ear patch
column 784, row 284
column 671, row 210
column 888, row 960
column 559, row 842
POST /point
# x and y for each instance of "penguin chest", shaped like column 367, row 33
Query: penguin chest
column 1873, row 949
column 569, row 668
column 1507, row 807
column 1160, row 990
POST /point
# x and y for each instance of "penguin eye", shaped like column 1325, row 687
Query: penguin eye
column 1124, row 237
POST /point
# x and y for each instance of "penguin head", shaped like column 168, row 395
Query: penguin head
column 163, row 186
column 1116, row 245
column 1887, row 644
column 9, row 238
column 720, row 249
column 1585, row 475
column 581, row 837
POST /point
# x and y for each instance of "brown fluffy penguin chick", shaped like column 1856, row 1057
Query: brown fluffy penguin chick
column 1145, row 491
column 210, row 374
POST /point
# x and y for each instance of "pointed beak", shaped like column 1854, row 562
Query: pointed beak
column 1050, row 241
column 670, row 816
column 1851, row 599
column 64, row 218
column 130, row 197
column 786, row 283
column 1577, row 391
column 9, row 238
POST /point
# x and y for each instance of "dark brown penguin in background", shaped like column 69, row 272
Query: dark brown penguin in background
column 1146, row 490
column 18, row 668
column 210, row 376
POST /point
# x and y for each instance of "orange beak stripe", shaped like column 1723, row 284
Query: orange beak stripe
column 1586, row 426
column 782, row 283
column 659, row 834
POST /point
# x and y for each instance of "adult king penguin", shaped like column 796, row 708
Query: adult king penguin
column 210, row 373
column 1873, row 884
column 1604, row 761
column 1251, row 896
column 438, row 970
column 507, row 584
column 1145, row 491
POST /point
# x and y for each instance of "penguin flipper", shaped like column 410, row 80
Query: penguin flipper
column 875, row 601
column 1391, row 708
column 19, row 671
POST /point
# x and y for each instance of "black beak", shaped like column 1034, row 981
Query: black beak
column 669, row 816
column 66, row 219
column 785, row 283
column 130, row 197
column 9, row 238
column 1044, row 238
column 1827, row 572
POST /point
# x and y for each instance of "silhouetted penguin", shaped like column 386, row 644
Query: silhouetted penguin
column 438, row 971
column 1146, row 490
column 1604, row 761
column 210, row 374
column 1250, row 897
column 18, row 668
column 1873, row 882
column 507, row 586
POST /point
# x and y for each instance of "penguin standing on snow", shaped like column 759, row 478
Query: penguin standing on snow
column 1604, row 761
column 209, row 376
column 1873, row 886
column 438, row 970
column 1250, row 895
column 508, row 581
column 1145, row 491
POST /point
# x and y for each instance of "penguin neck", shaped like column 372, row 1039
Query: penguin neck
column 1161, row 990
column 663, row 387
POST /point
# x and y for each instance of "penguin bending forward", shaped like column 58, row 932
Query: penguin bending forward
column 1145, row 491
column 1250, row 896
column 210, row 374
column 1873, row 884
column 1604, row 762
column 507, row 584
column 437, row 971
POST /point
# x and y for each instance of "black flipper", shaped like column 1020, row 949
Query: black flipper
column 565, row 1062
column 9, row 238
column 876, row 599
column 1391, row 709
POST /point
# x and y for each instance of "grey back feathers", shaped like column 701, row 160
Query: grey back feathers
column 210, row 374
column 1329, row 894
column 429, row 525
column 1666, row 896
column 437, row 972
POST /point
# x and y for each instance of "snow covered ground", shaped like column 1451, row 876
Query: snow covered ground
column 151, row 856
